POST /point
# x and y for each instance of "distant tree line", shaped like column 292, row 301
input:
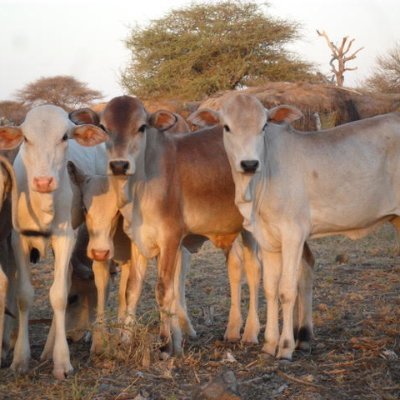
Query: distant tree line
column 63, row 91
column 199, row 50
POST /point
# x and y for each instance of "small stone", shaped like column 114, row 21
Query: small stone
column 229, row 357
column 222, row 387
column 342, row 259
column 389, row 355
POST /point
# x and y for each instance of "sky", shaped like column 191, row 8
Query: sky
column 85, row 38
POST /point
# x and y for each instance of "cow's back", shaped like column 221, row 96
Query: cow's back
column 206, row 183
column 345, row 178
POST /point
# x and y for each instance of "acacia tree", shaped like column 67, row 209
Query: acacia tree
column 198, row 50
column 386, row 78
column 63, row 91
column 11, row 112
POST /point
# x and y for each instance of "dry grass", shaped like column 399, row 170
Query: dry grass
column 354, row 356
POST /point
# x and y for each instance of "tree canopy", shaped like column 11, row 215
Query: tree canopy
column 201, row 49
column 63, row 91
column 11, row 112
column 386, row 77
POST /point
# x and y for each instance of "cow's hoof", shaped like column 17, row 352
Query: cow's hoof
column 187, row 328
column 251, row 331
column 304, row 347
column 20, row 367
column 231, row 339
column 284, row 355
column 269, row 349
column 285, row 361
column 232, row 335
column 98, row 343
column 249, row 338
column 62, row 371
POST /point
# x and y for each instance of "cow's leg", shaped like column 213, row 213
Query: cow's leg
column 304, row 323
column 62, row 246
column 101, row 272
column 25, row 293
column 182, row 267
column 252, row 267
column 3, row 295
column 10, row 323
column 137, row 271
column 272, row 265
column 234, row 261
column 47, row 353
column 166, row 299
column 292, row 250
column 123, row 282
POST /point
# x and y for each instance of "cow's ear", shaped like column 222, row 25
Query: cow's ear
column 10, row 137
column 76, row 175
column 204, row 117
column 84, row 116
column 88, row 135
column 284, row 113
column 163, row 120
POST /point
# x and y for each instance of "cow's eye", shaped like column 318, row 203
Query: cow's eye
column 227, row 129
column 26, row 140
column 142, row 128
column 65, row 137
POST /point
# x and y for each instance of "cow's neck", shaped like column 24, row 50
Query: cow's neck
column 150, row 164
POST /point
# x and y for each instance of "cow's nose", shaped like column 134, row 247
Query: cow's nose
column 119, row 167
column 249, row 165
column 43, row 184
column 100, row 255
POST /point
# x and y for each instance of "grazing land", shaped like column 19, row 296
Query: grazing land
column 355, row 354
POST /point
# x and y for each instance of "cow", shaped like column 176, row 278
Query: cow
column 8, row 196
column 291, row 186
column 44, row 205
column 181, row 188
column 106, row 237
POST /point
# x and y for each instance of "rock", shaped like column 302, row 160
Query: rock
column 222, row 387
column 342, row 259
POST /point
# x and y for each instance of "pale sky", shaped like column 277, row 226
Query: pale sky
column 85, row 38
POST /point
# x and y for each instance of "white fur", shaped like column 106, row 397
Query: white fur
column 341, row 181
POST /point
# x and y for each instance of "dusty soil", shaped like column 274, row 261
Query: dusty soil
column 355, row 354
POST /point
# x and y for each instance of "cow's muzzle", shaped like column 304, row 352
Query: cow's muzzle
column 119, row 167
column 100, row 255
column 44, row 184
column 249, row 166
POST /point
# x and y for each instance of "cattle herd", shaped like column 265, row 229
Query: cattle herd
column 128, row 186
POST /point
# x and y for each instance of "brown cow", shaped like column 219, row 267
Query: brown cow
column 180, row 186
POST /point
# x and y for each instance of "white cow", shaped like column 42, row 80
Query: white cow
column 291, row 186
column 44, row 211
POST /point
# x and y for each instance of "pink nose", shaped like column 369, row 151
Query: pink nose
column 44, row 184
column 100, row 255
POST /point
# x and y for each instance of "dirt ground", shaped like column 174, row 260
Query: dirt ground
column 355, row 353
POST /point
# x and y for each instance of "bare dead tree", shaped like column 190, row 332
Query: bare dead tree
column 341, row 56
